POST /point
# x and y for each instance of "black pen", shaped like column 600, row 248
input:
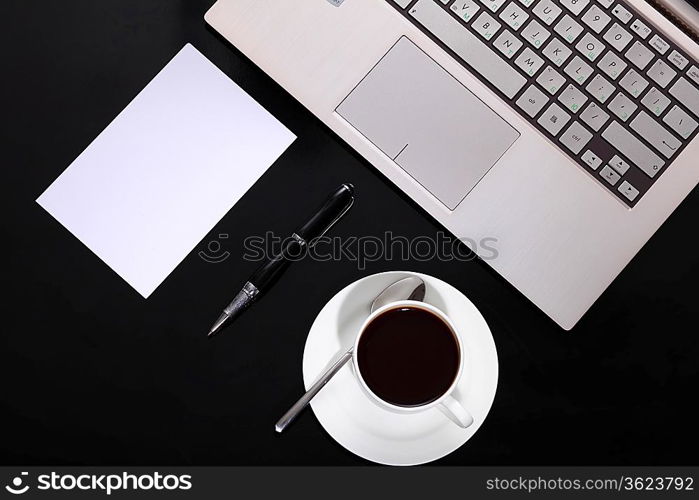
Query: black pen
column 262, row 279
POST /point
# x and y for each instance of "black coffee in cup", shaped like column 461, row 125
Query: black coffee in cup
column 408, row 356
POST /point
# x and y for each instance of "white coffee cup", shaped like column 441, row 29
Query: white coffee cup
column 446, row 403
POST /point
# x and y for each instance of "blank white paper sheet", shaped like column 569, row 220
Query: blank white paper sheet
column 166, row 170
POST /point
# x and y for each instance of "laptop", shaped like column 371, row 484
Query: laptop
column 565, row 129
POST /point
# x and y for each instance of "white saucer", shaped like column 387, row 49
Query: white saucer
column 361, row 426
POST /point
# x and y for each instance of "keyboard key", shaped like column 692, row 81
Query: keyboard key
column 550, row 80
column 593, row 161
column 529, row 61
column 655, row 101
column 590, row 47
column 678, row 60
column 621, row 13
column 532, row 101
column 619, row 165
column 611, row 64
column 465, row 9
column 639, row 55
column 553, row 119
column 575, row 137
column 629, row 192
column 596, row 19
column 693, row 73
column 618, row 37
column 633, row 83
column 513, row 16
column 575, row 6
column 661, row 73
column 557, row 51
column 578, row 70
column 568, row 28
column 600, row 88
column 655, row 134
column 594, row 116
column 659, row 44
column 640, row 28
column 493, row 5
column 687, row 94
column 622, row 106
column 468, row 47
column 535, row 34
column 572, row 98
column 638, row 153
column 593, row 70
column 680, row 122
column 547, row 11
column 508, row 44
column 610, row 175
column 485, row 25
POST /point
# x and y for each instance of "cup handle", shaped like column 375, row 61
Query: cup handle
column 456, row 412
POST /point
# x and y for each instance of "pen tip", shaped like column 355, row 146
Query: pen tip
column 218, row 325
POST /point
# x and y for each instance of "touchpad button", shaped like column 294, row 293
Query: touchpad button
column 427, row 122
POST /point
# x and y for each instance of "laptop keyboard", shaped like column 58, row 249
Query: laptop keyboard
column 593, row 75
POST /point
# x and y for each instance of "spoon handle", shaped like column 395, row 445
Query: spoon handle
column 293, row 412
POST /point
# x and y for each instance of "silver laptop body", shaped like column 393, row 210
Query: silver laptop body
column 565, row 129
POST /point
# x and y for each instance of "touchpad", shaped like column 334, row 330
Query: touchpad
column 427, row 122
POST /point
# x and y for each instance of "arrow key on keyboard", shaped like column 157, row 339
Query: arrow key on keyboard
column 592, row 160
column 619, row 165
column 628, row 191
column 610, row 175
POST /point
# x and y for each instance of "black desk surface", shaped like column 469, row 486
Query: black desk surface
column 91, row 373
